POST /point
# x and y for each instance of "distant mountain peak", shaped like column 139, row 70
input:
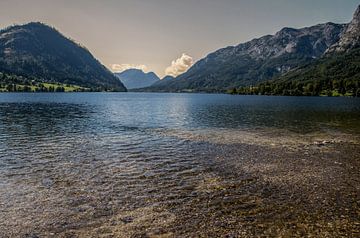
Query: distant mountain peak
column 152, row 74
column 136, row 78
column 167, row 77
column 132, row 70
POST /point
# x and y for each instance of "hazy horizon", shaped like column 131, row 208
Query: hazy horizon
column 167, row 37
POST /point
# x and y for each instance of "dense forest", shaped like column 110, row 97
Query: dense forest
column 335, row 75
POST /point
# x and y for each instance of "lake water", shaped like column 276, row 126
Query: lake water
column 143, row 164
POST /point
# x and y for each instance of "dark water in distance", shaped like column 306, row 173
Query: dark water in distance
column 66, row 157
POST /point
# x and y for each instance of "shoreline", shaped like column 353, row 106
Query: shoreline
column 246, row 188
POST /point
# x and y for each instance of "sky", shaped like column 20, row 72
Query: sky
column 168, row 36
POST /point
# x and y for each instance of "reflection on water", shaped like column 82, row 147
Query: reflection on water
column 120, row 163
column 191, row 111
column 295, row 114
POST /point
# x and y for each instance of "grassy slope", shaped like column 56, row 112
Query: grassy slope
column 35, row 85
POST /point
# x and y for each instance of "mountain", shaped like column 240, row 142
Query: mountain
column 167, row 77
column 257, row 60
column 158, row 84
column 135, row 78
column 163, row 81
column 350, row 38
column 317, row 60
column 337, row 73
column 38, row 52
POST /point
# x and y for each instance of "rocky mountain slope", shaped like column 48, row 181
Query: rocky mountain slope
column 350, row 38
column 135, row 78
column 337, row 73
column 257, row 60
column 268, row 57
column 41, row 53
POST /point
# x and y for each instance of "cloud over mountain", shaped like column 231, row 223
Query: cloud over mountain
column 180, row 65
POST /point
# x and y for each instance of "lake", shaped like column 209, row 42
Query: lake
column 177, row 165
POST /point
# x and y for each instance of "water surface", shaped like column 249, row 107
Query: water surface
column 134, row 164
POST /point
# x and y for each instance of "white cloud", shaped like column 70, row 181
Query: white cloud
column 180, row 65
column 122, row 67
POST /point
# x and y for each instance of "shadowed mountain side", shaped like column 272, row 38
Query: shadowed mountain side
column 39, row 52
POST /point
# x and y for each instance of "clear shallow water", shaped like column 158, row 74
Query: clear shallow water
column 74, row 162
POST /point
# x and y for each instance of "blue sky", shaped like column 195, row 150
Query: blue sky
column 151, row 34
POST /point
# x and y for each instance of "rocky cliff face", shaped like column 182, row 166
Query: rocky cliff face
column 311, row 42
column 350, row 38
